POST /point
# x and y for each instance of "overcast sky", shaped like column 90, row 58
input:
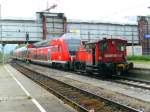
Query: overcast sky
column 77, row 9
column 108, row 10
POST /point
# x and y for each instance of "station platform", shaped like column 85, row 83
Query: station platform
column 142, row 65
column 20, row 94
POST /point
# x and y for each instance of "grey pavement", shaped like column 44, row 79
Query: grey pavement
column 24, row 95
column 145, row 65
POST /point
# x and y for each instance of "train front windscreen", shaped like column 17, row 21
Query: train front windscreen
column 73, row 41
column 73, row 45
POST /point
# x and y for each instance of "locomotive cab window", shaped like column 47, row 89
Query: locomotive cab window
column 121, row 47
column 103, row 46
column 73, row 45
column 73, row 41
column 89, row 47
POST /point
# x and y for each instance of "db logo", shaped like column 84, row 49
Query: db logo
column 92, row 110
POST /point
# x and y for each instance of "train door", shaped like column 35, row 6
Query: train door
column 93, row 56
column 48, row 54
column 103, row 48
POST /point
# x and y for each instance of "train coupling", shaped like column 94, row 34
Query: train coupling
column 122, row 67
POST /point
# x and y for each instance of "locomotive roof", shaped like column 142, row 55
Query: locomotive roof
column 42, row 43
column 21, row 48
column 45, row 43
column 96, row 41
column 71, row 36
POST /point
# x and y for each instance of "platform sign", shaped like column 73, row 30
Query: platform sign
column 147, row 36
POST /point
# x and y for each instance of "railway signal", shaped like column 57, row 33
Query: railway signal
column 27, row 37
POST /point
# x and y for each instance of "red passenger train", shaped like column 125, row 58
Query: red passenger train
column 56, row 52
column 106, row 55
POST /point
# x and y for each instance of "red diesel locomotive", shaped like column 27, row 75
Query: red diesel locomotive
column 106, row 55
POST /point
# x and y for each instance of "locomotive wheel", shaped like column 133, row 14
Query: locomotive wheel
column 53, row 65
column 66, row 66
column 89, row 70
column 76, row 66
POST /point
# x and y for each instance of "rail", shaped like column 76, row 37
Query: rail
column 143, row 84
column 79, row 99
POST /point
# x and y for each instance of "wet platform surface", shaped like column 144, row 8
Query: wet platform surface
column 20, row 94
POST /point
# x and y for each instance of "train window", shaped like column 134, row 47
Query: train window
column 121, row 47
column 88, row 49
column 103, row 46
column 44, row 43
column 54, row 48
column 73, row 44
column 59, row 48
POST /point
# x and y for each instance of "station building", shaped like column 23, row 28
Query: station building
column 51, row 25
column 144, row 33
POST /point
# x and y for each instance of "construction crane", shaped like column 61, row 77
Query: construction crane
column 51, row 7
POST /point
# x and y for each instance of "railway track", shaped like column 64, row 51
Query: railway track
column 143, row 84
column 134, row 82
column 81, row 100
